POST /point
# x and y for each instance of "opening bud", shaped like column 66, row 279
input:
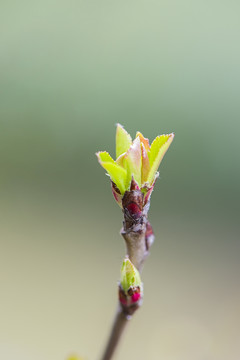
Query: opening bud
column 130, row 288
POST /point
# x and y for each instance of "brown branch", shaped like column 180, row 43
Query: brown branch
column 118, row 327
column 138, row 235
column 137, row 231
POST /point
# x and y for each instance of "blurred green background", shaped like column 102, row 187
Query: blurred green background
column 69, row 71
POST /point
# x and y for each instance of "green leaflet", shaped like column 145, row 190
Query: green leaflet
column 145, row 164
column 156, row 153
column 117, row 174
column 133, row 162
column 123, row 140
column 103, row 156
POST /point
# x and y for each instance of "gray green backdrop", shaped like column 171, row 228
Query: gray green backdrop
column 69, row 71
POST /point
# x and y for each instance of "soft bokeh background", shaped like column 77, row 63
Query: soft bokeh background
column 69, row 71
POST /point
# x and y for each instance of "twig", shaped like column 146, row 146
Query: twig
column 138, row 235
column 119, row 325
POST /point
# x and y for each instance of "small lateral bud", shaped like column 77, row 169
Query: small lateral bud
column 130, row 288
column 149, row 235
column 130, row 276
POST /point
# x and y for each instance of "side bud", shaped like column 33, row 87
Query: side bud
column 130, row 287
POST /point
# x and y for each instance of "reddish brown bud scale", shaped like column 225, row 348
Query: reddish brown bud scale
column 122, row 296
column 130, row 291
column 149, row 190
column 135, row 297
column 149, row 235
column 116, row 193
column 134, row 185
column 134, row 196
column 132, row 203
column 131, row 297
column 134, row 210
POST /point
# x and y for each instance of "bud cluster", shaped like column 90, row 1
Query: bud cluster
column 136, row 162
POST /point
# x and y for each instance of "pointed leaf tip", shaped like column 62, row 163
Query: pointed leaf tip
column 123, row 140
column 103, row 156
column 133, row 162
column 143, row 140
column 145, row 164
column 158, row 149
column 117, row 174
column 130, row 276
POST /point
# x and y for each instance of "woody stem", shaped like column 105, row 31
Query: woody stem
column 120, row 322
column 138, row 235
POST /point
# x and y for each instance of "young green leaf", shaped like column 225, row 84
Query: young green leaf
column 117, row 174
column 145, row 164
column 158, row 149
column 143, row 140
column 103, row 156
column 123, row 140
column 133, row 162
